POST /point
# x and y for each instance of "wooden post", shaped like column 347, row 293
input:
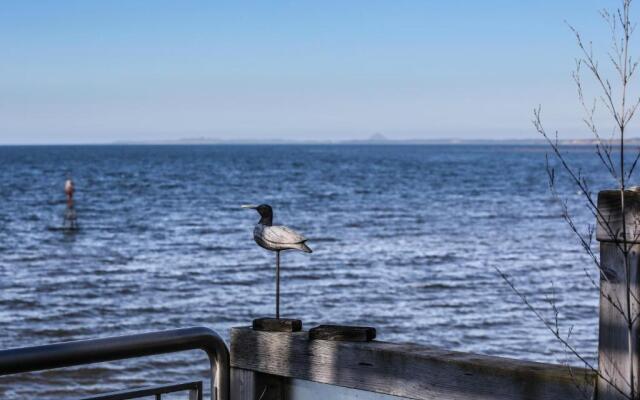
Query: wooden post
column 252, row 385
column 615, row 303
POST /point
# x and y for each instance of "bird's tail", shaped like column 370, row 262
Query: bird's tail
column 305, row 248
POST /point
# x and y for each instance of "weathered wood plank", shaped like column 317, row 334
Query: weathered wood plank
column 613, row 341
column 609, row 227
column 342, row 332
column 250, row 385
column 406, row 370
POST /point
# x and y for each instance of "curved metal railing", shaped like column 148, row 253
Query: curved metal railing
column 67, row 354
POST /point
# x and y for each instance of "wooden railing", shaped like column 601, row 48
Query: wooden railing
column 268, row 365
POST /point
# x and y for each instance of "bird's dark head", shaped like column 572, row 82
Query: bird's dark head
column 265, row 211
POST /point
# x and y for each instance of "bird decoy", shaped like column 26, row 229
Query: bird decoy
column 70, row 217
column 276, row 238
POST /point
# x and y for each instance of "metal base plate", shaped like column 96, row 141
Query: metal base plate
column 277, row 325
column 343, row 333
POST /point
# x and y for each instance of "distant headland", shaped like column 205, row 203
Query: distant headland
column 376, row 139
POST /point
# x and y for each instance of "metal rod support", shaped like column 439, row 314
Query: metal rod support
column 68, row 354
column 194, row 389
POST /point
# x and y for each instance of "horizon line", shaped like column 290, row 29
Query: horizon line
column 370, row 141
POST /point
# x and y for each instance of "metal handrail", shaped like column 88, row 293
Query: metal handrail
column 67, row 354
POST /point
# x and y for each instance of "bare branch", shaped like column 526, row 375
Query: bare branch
column 551, row 327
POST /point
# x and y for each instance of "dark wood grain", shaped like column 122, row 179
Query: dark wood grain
column 609, row 227
column 405, row 370
column 342, row 332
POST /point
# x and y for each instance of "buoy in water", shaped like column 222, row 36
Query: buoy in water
column 70, row 221
column 68, row 190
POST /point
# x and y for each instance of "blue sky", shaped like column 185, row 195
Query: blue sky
column 92, row 71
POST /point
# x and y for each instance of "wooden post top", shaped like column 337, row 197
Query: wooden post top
column 609, row 219
column 405, row 370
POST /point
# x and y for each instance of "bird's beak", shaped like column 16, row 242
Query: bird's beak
column 249, row 206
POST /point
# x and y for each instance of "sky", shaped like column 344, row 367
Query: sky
column 138, row 70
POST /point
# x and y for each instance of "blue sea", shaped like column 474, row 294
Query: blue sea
column 405, row 239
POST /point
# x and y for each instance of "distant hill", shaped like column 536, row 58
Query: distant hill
column 378, row 137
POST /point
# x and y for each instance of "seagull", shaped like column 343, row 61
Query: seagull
column 276, row 238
